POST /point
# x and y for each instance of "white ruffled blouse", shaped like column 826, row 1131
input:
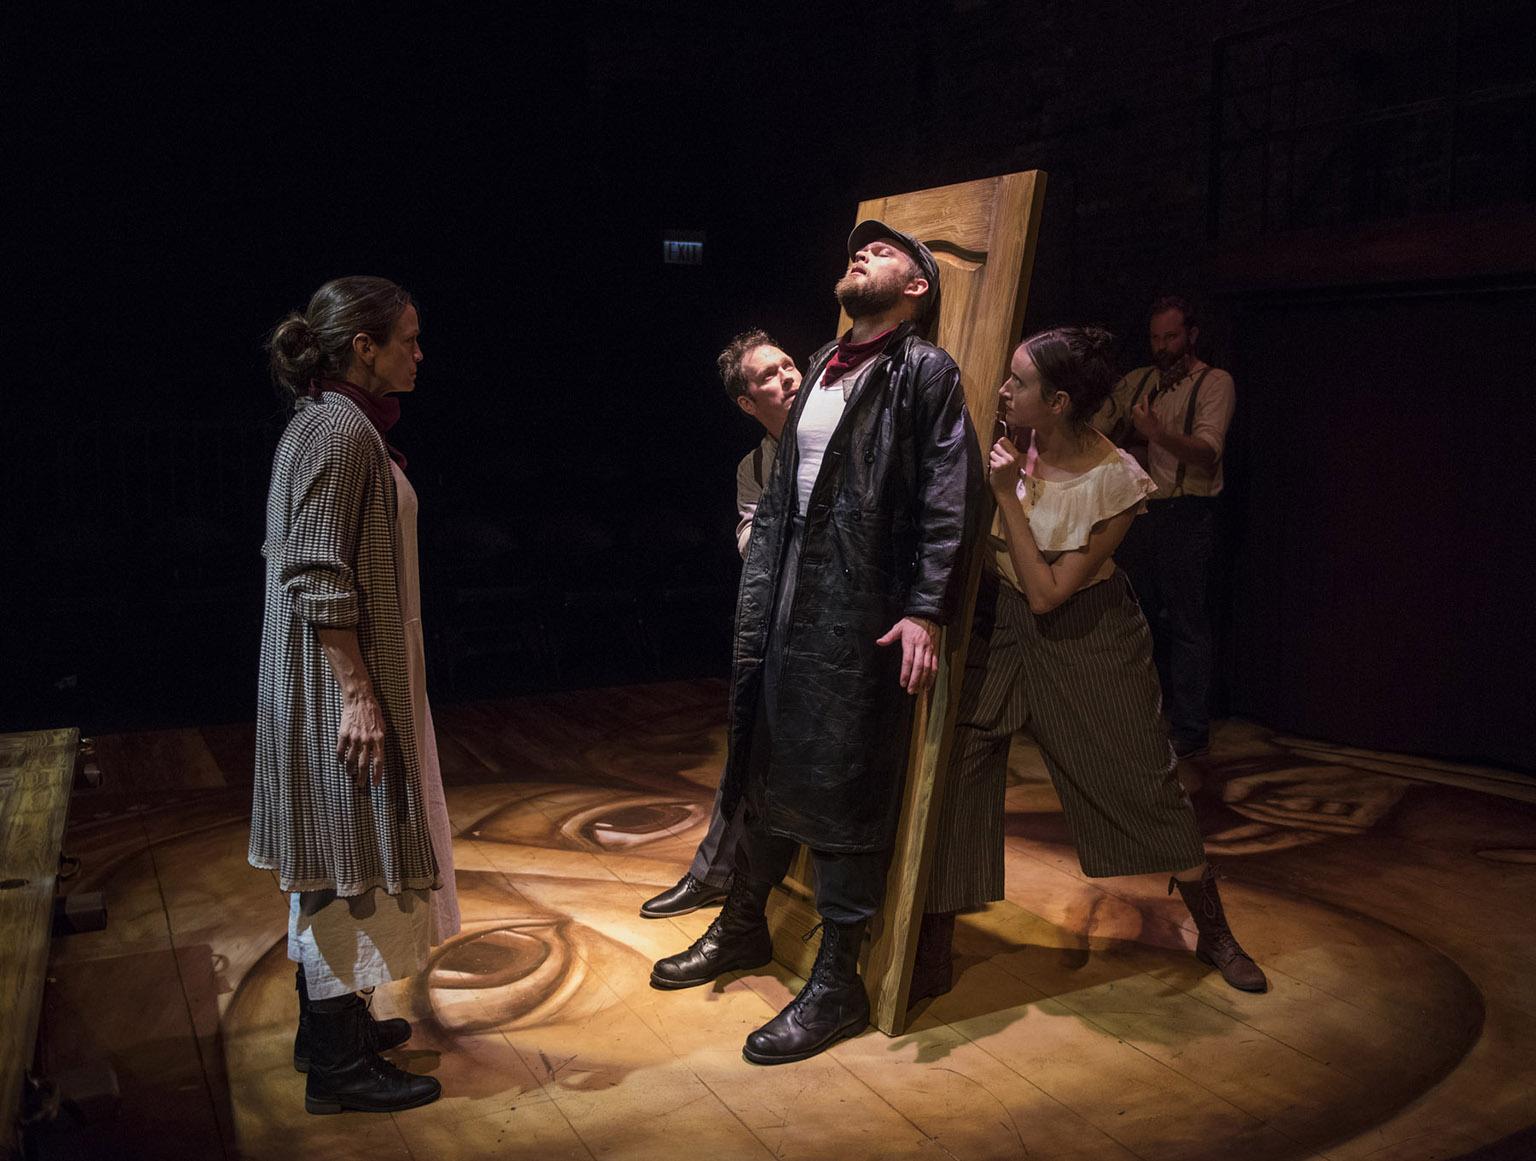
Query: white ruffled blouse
column 1062, row 513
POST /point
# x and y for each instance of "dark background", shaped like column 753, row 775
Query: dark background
column 1348, row 190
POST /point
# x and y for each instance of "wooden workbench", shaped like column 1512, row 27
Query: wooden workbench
column 36, row 773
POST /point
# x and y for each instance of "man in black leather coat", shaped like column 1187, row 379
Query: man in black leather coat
column 856, row 559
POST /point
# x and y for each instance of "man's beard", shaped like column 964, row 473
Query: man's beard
column 862, row 297
column 1167, row 362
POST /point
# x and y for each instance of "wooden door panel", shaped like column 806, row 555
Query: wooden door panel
column 962, row 278
column 957, row 216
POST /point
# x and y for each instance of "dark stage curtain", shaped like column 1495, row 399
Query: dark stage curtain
column 1381, row 512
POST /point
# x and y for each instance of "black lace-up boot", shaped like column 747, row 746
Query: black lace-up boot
column 1217, row 945
column 380, row 1035
column 831, row 1007
column 344, row 1073
column 737, row 940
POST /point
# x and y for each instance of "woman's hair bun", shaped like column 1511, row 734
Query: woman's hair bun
column 295, row 352
column 1079, row 360
column 318, row 342
column 1098, row 341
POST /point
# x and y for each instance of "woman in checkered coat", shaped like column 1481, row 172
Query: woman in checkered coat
column 348, row 808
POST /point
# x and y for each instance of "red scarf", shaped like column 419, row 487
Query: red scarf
column 382, row 411
column 851, row 355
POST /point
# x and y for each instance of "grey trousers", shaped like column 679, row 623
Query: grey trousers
column 716, row 855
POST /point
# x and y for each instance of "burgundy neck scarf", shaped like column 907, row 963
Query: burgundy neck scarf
column 382, row 411
column 851, row 355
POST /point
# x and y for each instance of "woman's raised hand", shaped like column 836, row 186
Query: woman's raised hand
column 1003, row 468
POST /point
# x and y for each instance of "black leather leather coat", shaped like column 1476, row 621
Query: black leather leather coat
column 889, row 526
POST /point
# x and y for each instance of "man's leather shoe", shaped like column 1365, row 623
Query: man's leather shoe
column 684, row 898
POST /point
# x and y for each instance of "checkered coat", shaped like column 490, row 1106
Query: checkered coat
column 330, row 553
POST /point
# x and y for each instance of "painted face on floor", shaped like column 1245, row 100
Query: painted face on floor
column 564, row 824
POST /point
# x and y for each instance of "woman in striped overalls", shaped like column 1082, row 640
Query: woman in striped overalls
column 1062, row 648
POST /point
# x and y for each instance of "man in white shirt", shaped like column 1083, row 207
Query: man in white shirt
column 1174, row 416
column 763, row 381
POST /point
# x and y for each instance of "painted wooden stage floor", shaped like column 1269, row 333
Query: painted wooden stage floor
column 1391, row 900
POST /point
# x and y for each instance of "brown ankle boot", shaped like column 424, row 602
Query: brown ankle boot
column 1217, row 945
column 933, row 968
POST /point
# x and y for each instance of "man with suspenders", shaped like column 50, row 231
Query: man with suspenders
column 1173, row 416
column 763, row 381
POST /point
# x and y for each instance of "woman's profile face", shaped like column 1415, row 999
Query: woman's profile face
column 1021, row 392
column 394, row 364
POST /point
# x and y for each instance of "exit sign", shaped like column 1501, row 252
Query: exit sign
column 683, row 248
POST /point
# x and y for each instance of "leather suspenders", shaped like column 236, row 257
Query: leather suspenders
column 1122, row 429
column 1189, row 429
